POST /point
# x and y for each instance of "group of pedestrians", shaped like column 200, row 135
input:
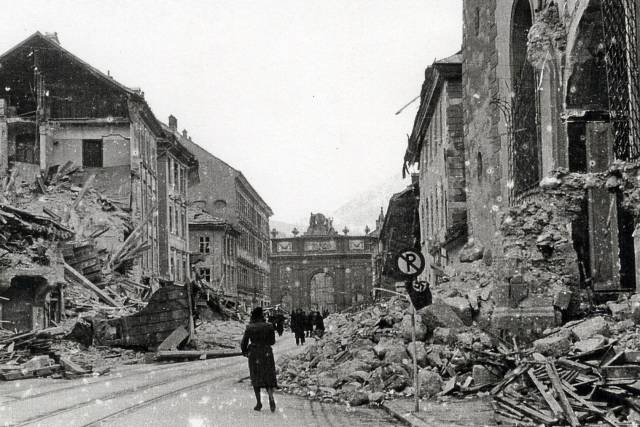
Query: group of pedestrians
column 307, row 325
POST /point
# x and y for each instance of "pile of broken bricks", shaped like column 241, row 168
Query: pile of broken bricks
column 30, row 354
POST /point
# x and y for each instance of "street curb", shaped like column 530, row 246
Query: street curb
column 406, row 417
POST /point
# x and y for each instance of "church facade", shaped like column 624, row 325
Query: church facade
column 322, row 269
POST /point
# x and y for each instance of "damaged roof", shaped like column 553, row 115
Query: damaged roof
column 434, row 76
column 174, row 144
column 36, row 53
column 198, row 216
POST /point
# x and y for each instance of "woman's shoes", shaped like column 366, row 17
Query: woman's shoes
column 272, row 405
column 257, row 407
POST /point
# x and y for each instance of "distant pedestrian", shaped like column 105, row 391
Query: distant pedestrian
column 308, row 323
column 299, row 322
column 279, row 324
column 318, row 324
column 256, row 345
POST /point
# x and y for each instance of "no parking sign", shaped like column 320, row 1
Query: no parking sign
column 411, row 263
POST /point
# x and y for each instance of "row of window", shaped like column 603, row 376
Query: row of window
column 252, row 281
column 434, row 210
column 248, row 212
column 146, row 144
column 178, row 262
column 435, row 135
column 177, row 219
column 177, row 176
column 255, row 246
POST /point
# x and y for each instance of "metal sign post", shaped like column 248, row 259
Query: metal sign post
column 410, row 263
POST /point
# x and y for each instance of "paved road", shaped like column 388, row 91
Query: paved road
column 194, row 394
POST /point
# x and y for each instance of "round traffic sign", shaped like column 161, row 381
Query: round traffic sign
column 410, row 262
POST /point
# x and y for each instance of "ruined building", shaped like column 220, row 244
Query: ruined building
column 58, row 110
column 549, row 88
column 322, row 269
column 546, row 97
column 551, row 85
column 437, row 147
column 225, row 193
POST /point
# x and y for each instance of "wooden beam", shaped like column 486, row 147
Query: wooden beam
column 562, row 397
column 195, row 354
column 84, row 190
column 79, row 278
column 551, row 401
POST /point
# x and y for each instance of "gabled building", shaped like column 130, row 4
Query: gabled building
column 437, row 147
column 226, row 193
column 56, row 108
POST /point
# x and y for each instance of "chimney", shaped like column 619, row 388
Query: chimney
column 184, row 133
column 415, row 178
column 173, row 123
column 53, row 37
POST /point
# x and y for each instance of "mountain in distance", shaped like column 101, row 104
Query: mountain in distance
column 364, row 208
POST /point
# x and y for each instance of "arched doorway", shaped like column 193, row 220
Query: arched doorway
column 524, row 126
column 322, row 293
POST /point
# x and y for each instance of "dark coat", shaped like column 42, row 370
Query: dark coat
column 256, row 345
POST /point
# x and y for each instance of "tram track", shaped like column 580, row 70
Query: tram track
column 220, row 371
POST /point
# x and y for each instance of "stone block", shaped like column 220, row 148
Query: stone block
column 358, row 398
column 590, row 344
column 590, row 327
column 524, row 324
column 38, row 362
column 484, row 375
column 430, row 383
column 461, row 307
column 327, row 380
column 620, row 311
column 552, row 346
column 421, row 353
column 501, row 294
column 406, row 327
column 439, row 314
column 376, row 397
column 624, row 325
column 519, row 290
column 562, row 299
column 464, row 339
column 443, row 336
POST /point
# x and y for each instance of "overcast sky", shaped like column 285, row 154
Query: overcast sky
column 300, row 95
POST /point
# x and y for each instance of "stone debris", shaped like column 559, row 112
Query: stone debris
column 585, row 371
column 366, row 356
column 53, row 352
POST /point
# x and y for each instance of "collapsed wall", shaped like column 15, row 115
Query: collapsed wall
column 541, row 278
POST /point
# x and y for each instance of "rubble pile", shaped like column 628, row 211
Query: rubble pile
column 218, row 335
column 53, row 352
column 366, row 357
column 93, row 234
column 586, row 371
column 76, row 237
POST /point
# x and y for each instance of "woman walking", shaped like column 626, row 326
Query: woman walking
column 256, row 345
